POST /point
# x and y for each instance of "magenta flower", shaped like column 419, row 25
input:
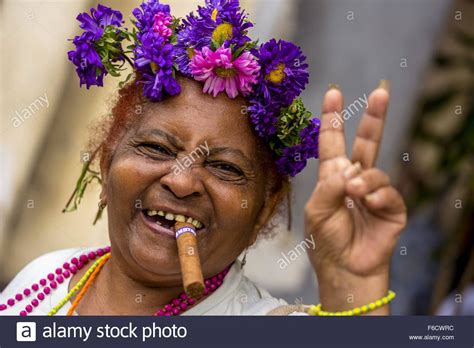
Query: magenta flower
column 220, row 72
column 161, row 24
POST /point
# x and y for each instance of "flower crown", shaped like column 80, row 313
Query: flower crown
column 211, row 46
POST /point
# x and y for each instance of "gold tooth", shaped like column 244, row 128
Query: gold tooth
column 180, row 218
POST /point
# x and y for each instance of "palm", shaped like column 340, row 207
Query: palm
column 355, row 227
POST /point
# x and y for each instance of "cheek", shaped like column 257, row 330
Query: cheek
column 130, row 178
column 127, row 178
column 238, row 207
column 236, row 212
column 124, row 184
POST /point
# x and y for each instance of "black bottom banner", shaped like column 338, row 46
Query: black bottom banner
column 327, row 332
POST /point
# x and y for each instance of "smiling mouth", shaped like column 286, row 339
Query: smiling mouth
column 167, row 219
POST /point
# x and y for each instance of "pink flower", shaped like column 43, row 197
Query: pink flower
column 220, row 72
column 161, row 24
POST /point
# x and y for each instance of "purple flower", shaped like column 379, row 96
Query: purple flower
column 291, row 162
column 294, row 159
column 222, row 8
column 145, row 16
column 153, row 53
column 284, row 74
column 89, row 65
column 221, row 17
column 264, row 118
column 99, row 19
column 310, row 139
column 184, row 52
column 219, row 22
column 154, row 60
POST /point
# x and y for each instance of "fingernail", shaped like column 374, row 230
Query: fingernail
column 372, row 197
column 357, row 182
column 352, row 171
column 333, row 86
column 385, row 84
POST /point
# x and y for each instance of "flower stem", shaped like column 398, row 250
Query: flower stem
column 85, row 168
column 128, row 60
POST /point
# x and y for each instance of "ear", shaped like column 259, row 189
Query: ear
column 267, row 212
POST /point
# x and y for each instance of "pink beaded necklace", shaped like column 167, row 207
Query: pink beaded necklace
column 47, row 285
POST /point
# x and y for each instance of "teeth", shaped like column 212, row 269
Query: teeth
column 158, row 223
column 180, row 218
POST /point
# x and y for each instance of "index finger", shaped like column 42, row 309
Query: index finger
column 331, row 134
column 369, row 133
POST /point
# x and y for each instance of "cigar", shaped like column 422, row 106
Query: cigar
column 193, row 280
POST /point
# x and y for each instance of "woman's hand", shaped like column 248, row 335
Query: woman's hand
column 354, row 214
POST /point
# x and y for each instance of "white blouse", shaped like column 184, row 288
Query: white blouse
column 236, row 296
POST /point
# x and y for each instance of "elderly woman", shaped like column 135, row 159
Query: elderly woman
column 209, row 131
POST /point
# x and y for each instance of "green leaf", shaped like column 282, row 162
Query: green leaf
column 292, row 120
column 215, row 45
column 238, row 52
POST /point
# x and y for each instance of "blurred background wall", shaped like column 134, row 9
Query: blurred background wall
column 353, row 43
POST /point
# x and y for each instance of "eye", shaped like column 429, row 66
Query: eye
column 227, row 168
column 155, row 149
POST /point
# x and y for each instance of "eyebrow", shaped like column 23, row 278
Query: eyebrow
column 161, row 133
column 230, row 151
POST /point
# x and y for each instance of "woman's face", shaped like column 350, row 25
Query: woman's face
column 191, row 155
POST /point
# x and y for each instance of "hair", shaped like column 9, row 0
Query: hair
column 127, row 107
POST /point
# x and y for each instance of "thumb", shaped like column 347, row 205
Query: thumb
column 330, row 193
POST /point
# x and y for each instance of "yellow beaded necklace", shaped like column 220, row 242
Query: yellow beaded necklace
column 100, row 262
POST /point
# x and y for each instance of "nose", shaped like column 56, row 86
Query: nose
column 182, row 183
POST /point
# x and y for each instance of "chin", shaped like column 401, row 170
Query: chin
column 153, row 256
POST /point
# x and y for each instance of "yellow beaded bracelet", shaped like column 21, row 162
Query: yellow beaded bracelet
column 316, row 309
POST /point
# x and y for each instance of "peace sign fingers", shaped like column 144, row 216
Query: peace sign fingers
column 369, row 133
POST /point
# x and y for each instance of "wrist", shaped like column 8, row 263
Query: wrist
column 341, row 290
